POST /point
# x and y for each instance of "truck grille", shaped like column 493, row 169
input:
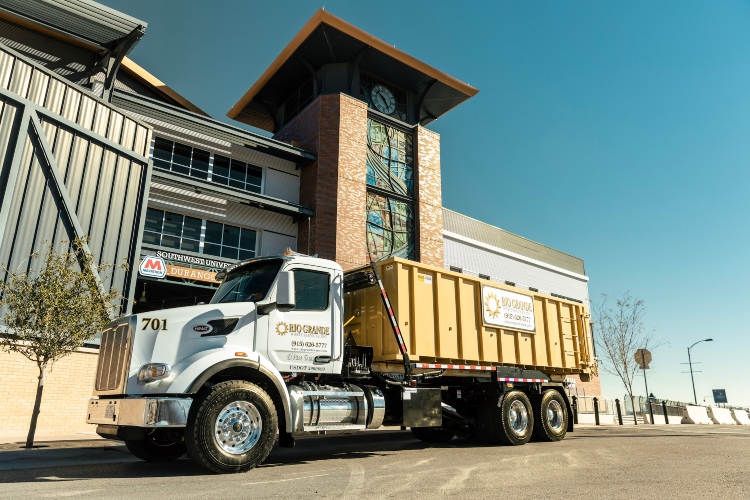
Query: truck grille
column 114, row 359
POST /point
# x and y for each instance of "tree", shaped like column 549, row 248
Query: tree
column 50, row 312
column 619, row 333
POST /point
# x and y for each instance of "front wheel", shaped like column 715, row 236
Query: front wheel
column 159, row 446
column 232, row 427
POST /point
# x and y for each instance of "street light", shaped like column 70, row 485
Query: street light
column 690, row 362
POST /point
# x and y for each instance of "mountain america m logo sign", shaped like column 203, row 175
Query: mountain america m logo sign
column 153, row 267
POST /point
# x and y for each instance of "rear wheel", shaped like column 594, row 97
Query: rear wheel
column 550, row 416
column 510, row 423
column 232, row 427
column 159, row 446
column 432, row 434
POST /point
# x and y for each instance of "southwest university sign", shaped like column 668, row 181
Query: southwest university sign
column 153, row 266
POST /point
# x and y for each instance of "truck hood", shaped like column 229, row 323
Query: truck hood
column 172, row 336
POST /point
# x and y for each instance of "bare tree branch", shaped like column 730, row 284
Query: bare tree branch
column 620, row 333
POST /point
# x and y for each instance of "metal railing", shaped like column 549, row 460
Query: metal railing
column 638, row 411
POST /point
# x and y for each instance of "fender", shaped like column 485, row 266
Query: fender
column 262, row 365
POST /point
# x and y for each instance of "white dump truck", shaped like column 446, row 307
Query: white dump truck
column 291, row 346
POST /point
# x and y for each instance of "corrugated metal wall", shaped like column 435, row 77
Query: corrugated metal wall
column 475, row 260
column 491, row 235
column 72, row 165
column 216, row 209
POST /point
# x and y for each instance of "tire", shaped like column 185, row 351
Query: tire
column 511, row 423
column 550, row 416
column 231, row 428
column 432, row 434
column 157, row 447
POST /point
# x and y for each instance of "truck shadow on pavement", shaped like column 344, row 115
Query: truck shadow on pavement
column 115, row 462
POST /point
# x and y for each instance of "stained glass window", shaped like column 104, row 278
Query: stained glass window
column 390, row 159
column 390, row 227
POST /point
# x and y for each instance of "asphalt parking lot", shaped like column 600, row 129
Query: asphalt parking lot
column 603, row 462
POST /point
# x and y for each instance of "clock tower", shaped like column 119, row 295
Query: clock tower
column 362, row 106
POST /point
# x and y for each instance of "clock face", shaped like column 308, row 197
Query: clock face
column 383, row 99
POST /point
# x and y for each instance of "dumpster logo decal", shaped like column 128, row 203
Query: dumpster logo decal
column 508, row 309
column 492, row 305
column 281, row 328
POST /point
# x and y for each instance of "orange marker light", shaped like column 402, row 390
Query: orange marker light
column 241, row 354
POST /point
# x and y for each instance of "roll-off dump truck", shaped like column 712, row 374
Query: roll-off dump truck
column 291, row 345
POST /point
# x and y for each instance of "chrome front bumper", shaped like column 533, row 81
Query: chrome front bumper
column 139, row 412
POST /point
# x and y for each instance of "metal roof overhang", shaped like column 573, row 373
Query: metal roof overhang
column 233, row 195
column 209, row 126
column 81, row 22
column 327, row 39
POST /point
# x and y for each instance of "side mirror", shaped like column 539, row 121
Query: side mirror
column 285, row 290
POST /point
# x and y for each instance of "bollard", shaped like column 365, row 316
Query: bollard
column 596, row 410
column 651, row 410
column 575, row 410
column 664, row 407
column 619, row 411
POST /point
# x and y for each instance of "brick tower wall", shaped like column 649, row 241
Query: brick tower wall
column 429, row 198
column 334, row 126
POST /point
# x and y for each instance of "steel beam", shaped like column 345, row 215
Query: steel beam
column 57, row 186
column 15, row 165
column 64, row 122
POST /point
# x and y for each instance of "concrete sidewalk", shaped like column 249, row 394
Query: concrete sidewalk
column 39, row 438
column 60, row 451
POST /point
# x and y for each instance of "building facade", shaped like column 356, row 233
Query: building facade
column 91, row 144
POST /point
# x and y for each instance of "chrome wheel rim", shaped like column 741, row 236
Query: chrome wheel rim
column 518, row 417
column 555, row 416
column 238, row 427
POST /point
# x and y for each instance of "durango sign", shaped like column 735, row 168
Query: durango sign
column 154, row 267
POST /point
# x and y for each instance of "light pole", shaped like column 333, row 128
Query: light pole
column 690, row 362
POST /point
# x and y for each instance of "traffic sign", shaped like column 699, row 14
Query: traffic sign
column 643, row 358
column 720, row 396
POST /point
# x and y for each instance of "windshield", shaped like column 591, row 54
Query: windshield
column 249, row 283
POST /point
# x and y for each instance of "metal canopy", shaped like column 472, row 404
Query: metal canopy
column 82, row 22
column 241, row 197
column 326, row 39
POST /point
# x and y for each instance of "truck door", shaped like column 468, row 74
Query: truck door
column 302, row 339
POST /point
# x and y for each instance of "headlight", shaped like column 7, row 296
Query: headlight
column 153, row 372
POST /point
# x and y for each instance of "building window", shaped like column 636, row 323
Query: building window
column 390, row 227
column 237, row 174
column 182, row 232
column 180, row 158
column 382, row 96
column 390, row 159
column 299, row 100
column 456, row 269
column 390, row 191
column 227, row 241
column 194, row 162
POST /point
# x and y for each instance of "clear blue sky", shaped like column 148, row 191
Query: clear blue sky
column 618, row 132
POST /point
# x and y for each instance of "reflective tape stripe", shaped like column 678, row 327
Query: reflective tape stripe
column 435, row 366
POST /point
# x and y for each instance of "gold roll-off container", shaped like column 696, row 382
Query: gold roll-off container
column 455, row 318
